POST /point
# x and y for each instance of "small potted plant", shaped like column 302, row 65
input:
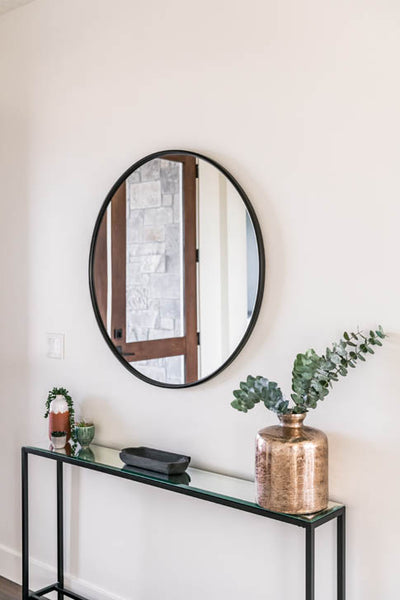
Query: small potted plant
column 60, row 411
column 58, row 439
column 84, row 432
column 291, row 459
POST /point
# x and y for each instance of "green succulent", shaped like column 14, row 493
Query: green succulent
column 84, row 423
column 312, row 375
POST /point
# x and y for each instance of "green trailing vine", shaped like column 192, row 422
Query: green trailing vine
column 62, row 392
column 312, row 375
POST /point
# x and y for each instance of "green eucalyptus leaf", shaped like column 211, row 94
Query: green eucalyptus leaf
column 259, row 389
column 312, row 375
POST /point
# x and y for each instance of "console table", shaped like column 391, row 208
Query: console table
column 204, row 485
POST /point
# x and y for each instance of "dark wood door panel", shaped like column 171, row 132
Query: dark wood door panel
column 159, row 348
column 186, row 345
column 148, row 350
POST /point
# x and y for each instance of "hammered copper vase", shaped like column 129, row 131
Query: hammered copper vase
column 292, row 467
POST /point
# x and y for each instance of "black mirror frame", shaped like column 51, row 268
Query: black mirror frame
column 261, row 267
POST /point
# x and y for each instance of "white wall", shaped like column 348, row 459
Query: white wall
column 222, row 273
column 300, row 100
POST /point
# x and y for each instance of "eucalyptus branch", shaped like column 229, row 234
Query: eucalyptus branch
column 312, row 375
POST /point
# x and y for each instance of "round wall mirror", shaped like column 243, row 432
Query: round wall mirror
column 176, row 268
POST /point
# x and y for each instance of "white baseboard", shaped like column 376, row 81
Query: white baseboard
column 10, row 564
column 42, row 574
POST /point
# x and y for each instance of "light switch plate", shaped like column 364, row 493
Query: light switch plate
column 55, row 345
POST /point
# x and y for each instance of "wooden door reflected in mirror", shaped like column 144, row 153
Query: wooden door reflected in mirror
column 176, row 268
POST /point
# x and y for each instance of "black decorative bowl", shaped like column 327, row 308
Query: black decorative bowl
column 182, row 478
column 155, row 460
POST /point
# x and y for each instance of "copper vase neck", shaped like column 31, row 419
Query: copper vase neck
column 292, row 420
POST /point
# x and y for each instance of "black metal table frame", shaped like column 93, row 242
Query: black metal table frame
column 310, row 527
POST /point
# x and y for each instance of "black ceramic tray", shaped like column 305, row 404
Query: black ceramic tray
column 182, row 478
column 155, row 460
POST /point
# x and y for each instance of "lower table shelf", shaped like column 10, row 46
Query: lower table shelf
column 212, row 487
column 55, row 587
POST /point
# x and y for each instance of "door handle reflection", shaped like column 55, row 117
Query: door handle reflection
column 119, row 349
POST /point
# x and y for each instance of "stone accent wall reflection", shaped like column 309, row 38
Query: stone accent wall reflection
column 170, row 369
column 154, row 274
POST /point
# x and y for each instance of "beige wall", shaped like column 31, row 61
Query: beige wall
column 300, row 101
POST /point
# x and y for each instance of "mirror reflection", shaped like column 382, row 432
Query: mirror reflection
column 176, row 269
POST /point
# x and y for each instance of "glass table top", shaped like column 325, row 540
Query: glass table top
column 233, row 489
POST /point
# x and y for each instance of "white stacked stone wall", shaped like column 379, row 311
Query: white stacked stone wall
column 154, row 276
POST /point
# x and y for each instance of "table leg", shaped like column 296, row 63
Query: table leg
column 310, row 562
column 25, row 525
column 60, row 529
column 341, row 556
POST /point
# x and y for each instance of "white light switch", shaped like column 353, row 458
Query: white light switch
column 55, row 345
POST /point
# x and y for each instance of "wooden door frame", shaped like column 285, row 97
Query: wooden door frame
column 186, row 345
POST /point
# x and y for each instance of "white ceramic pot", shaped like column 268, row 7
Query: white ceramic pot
column 58, row 441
